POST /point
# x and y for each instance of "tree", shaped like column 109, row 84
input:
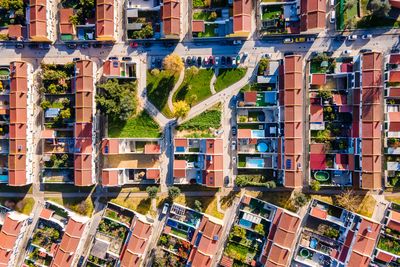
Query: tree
column 350, row 4
column 181, row 109
column 74, row 20
column 263, row 65
column 198, row 206
column 379, row 8
column 239, row 231
column 116, row 100
column 315, row 185
column 348, row 200
column 155, row 72
column 173, row 192
column 213, row 15
column 299, row 199
column 325, row 94
column 259, row 228
column 192, row 99
column 173, row 63
column 152, row 191
column 193, row 70
column 65, row 113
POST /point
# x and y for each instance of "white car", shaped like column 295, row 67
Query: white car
column 233, row 146
column 347, row 52
column 366, row 36
column 352, row 37
column 233, row 160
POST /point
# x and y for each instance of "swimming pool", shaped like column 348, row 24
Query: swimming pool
column 179, row 149
column 258, row 133
column 245, row 223
column 3, row 178
column 262, row 147
column 255, row 163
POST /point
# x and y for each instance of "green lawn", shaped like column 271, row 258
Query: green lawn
column 198, row 85
column 139, row 126
column 23, row 205
column 272, row 12
column 227, row 77
column 206, row 120
column 209, row 30
column 82, row 206
column 158, row 88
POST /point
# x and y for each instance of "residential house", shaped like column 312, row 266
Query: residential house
column 334, row 236
column 196, row 236
column 312, row 15
column 41, row 21
column 105, row 25
column 387, row 250
column 13, row 229
column 198, row 161
column 392, row 119
column 131, row 161
column 277, row 17
column 258, row 117
column 119, row 69
column 121, row 238
column 57, row 237
column 16, row 150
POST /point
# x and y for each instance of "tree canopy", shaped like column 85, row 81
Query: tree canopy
column 173, row 63
column 181, row 109
column 116, row 100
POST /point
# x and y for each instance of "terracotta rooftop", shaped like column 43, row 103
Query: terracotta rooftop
column 183, row 142
column 242, row 10
column 152, row 149
column 214, row 146
column 15, row 31
column 318, row 79
column 171, row 11
column 46, row 214
column 312, row 14
column 153, row 174
column 10, row 231
column 111, row 68
column 394, row 221
column 105, row 20
column 198, row 26
column 66, row 26
column 394, row 59
column 38, row 21
column 110, row 177
column 250, row 97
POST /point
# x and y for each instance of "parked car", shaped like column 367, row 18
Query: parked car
column 76, row 59
column 199, row 61
column 300, row 40
column 19, row 45
column 233, row 145
column 113, row 58
column 237, row 42
column 288, row 41
column 165, row 209
column 215, row 61
column 126, row 59
column 362, row 51
column 189, row 61
column 310, row 39
column 96, row 45
column 85, row 45
column 233, row 160
column 205, row 60
column 223, row 60
column 347, row 52
column 228, row 61
column 72, row 45
column 194, row 59
column 352, row 37
column 237, row 60
column 234, row 130
column 366, row 36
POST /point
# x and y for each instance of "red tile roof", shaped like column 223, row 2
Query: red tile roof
column 371, row 122
column 244, row 133
column 226, row 261
column 46, row 214
column 17, row 125
column 364, row 243
column 319, row 213
column 394, row 59
column 312, row 14
column 318, row 79
column 293, row 85
column 198, row 26
column 250, row 97
column 278, row 256
column 394, row 76
column 171, row 11
column 110, row 177
column 105, row 20
column 66, row 26
column 317, row 113
column 242, row 10
column 394, row 221
column 69, row 244
column 152, row 149
column 214, row 146
column 384, row 257
column 317, row 161
column 183, row 142
column 38, row 21
column 111, row 68
column 198, row 259
column 15, row 32
column 111, row 145
column 180, row 168
column 10, row 231
column 153, row 174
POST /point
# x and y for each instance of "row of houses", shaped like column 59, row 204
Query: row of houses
column 155, row 19
column 265, row 235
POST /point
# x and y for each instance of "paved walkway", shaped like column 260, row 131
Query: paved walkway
column 176, row 87
column 213, row 80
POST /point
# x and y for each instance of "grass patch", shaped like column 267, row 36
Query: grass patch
column 227, row 77
column 139, row 126
column 208, row 204
column 209, row 31
column 206, row 120
column 22, row 205
column 82, row 206
column 393, row 199
column 281, row 199
column 138, row 204
column 158, row 88
column 195, row 87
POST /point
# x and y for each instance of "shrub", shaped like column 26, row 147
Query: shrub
column 155, row 72
column 299, row 199
column 198, row 206
column 173, row 192
column 152, row 191
column 315, row 185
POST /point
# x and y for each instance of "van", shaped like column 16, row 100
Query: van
column 333, row 17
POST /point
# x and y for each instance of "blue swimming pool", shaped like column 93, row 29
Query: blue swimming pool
column 262, row 147
column 270, row 98
column 313, row 243
column 255, row 163
column 179, row 149
column 3, row 178
column 245, row 223
column 258, row 133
